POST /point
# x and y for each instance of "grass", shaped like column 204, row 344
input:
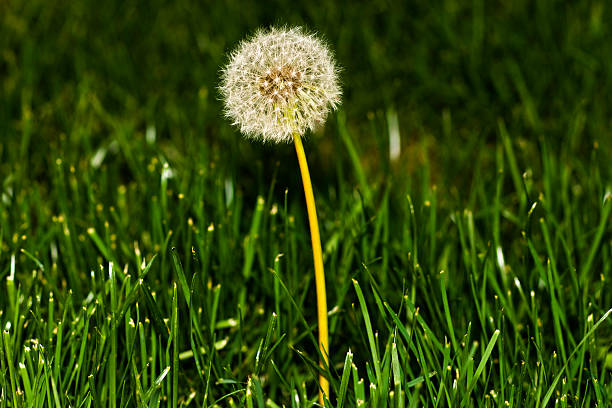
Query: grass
column 151, row 257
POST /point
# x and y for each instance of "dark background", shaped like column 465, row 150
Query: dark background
column 536, row 65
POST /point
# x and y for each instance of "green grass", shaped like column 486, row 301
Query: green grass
column 150, row 256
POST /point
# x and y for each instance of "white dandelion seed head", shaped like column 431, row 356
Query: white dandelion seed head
column 279, row 82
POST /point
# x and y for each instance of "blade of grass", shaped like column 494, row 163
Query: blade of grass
column 178, row 268
column 483, row 361
column 175, row 346
column 346, row 373
column 369, row 331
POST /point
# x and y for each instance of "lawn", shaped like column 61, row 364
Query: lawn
column 150, row 255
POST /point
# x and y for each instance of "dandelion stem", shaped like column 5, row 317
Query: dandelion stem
column 317, row 254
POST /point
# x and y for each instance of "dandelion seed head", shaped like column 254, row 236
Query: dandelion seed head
column 279, row 82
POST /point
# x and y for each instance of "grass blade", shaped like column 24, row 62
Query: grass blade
column 369, row 331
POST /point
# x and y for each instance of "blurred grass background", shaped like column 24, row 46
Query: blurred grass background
column 535, row 64
column 113, row 148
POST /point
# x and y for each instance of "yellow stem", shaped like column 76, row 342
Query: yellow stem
column 317, row 254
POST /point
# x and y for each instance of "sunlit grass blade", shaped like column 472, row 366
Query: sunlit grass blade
column 481, row 366
column 369, row 331
column 346, row 373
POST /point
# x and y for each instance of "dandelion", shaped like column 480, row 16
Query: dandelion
column 277, row 85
